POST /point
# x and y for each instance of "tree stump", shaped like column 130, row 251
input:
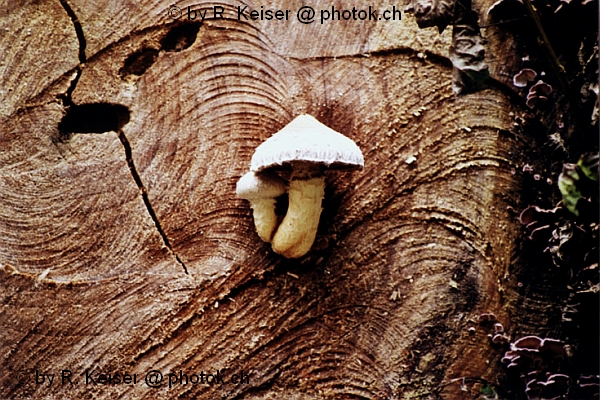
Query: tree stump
column 124, row 249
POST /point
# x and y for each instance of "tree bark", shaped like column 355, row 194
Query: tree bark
column 124, row 249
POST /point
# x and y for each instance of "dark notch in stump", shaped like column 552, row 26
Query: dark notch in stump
column 138, row 62
column 93, row 118
column 180, row 37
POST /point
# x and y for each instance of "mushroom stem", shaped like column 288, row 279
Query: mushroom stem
column 261, row 190
column 265, row 219
column 298, row 230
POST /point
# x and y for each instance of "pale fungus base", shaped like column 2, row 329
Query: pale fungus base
column 298, row 230
column 265, row 219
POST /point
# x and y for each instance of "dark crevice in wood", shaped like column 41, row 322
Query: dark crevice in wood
column 93, row 118
column 180, row 37
column 66, row 98
column 138, row 62
column 138, row 181
column 264, row 277
column 78, row 30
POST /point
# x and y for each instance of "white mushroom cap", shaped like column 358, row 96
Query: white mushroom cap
column 306, row 139
column 253, row 186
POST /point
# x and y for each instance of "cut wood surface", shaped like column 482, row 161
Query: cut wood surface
column 123, row 248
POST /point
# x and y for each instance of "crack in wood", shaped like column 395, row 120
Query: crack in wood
column 78, row 30
column 140, row 184
column 425, row 55
column 82, row 57
column 68, row 102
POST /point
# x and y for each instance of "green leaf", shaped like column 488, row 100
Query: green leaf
column 488, row 392
column 589, row 166
column 567, row 184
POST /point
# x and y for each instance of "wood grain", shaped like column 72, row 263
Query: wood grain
column 407, row 254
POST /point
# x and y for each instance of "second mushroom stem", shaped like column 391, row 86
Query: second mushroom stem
column 265, row 218
column 296, row 233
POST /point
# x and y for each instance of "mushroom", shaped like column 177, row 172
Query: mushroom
column 554, row 388
column 309, row 148
column 486, row 317
column 261, row 190
column 500, row 338
column 524, row 76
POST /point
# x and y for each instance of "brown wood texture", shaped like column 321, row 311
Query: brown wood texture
column 407, row 255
